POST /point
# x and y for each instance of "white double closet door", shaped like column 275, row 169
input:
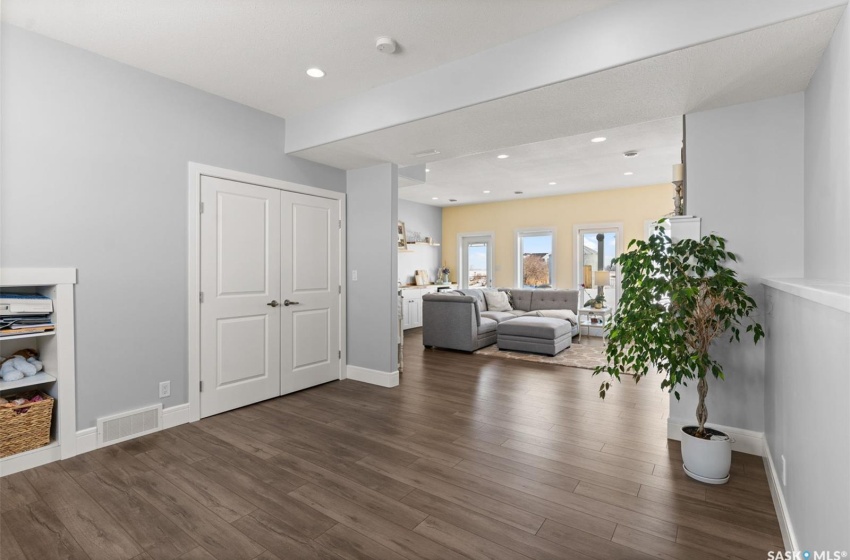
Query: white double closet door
column 270, row 316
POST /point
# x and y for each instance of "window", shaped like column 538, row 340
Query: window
column 476, row 260
column 536, row 259
column 597, row 247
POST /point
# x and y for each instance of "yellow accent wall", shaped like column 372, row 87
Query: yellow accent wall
column 631, row 207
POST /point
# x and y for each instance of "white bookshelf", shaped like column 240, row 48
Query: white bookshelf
column 56, row 352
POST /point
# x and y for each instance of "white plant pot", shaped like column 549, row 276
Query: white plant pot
column 707, row 460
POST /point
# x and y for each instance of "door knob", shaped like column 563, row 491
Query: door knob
column 287, row 303
column 273, row 303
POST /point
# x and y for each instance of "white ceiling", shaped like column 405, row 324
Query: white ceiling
column 256, row 52
column 575, row 163
column 769, row 61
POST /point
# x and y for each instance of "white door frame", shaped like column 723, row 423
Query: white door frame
column 196, row 171
column 491, row 254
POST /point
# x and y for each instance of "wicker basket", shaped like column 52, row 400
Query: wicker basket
column 27, row 426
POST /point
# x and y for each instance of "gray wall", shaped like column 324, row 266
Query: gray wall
column 807, row 387
column 427, row 220
column 828, row 161
column 372, row 215
column 745, row 180
column 94, row 176
column 807, row 415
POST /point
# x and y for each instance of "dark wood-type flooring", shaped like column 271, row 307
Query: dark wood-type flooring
column 471, row 457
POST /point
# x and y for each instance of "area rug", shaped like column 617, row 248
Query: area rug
column 577, row 355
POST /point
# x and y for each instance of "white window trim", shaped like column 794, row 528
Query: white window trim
column 518, row 235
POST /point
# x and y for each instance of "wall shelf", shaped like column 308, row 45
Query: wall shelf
column 37, row 379
column 56, row 352
column 27, row 335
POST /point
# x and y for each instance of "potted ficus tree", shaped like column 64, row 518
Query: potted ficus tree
column 677, row 299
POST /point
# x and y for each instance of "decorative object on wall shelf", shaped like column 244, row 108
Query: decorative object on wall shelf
column 421, row 241
column 679, row 182
column 402, row 236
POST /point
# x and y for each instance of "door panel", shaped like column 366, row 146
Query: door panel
column 310, row 279
column 234, row 336
column 242, row 243
column 240, row 275
column 311, row 229
column 310, row 346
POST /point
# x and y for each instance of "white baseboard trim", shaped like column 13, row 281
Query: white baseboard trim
column 745, row 441
column 175, row 415
column 372, row 376
column 171, row 416
column 782, row 514
column 86, row 440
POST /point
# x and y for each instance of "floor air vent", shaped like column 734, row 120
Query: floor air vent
column 128, row 425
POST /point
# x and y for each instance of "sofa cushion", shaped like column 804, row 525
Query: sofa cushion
column 565, row 314
column 521, row 299
column 535, row 327
column 554, row 299
column 497, row 301
column 517, row 312
column 478, row 294
column 487, row 325
column 498, row 316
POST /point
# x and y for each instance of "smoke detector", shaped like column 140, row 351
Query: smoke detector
column 630, row 153
column 386, row 45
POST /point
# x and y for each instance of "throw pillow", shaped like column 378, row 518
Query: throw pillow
column 497, row 301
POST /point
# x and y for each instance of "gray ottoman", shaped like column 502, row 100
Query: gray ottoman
column 542, row 335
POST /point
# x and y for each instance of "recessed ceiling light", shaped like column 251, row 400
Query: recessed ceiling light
column 553, row 183
column 427, row 170
column 628, row 173
column 503, row 156
column 486, row 192
column 598, row 139
column 434, row 198
column 315, row 72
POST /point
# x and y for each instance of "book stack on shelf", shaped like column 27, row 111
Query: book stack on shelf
column 25, row 314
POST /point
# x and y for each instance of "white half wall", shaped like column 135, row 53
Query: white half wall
column 745, row 181
column 807, row 416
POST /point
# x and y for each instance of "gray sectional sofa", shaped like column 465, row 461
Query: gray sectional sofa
column 460, row 320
